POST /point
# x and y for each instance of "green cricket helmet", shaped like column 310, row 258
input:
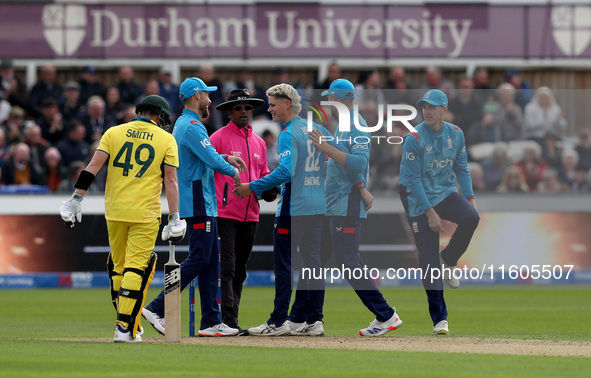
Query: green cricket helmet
column 158, row 106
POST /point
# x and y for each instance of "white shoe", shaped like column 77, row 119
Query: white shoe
column 122, row 335
column 219, row 330
column 447, row 274
column 293, row 326
column 140, row 331
column 266, row 329
column 441, row 328
column 156, row 321
column 377, row 328
column 314, row 329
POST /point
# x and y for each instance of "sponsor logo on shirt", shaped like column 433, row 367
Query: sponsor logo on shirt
column 285, row 153
column 410, row 156
column 429, row 149
column 450, row 143
column 205, row 142
column 257, row 156
column 441, row 163
column 236, row 153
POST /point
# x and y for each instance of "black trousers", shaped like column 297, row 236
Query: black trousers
column 237, row 239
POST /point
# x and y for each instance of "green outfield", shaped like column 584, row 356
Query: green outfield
column 60, row 333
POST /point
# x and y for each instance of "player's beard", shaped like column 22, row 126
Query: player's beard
column 204, row 108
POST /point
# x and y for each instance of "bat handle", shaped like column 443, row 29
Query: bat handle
column 171, row 253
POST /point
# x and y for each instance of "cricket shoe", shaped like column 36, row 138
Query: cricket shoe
column 314, row 329
column 293, row 325
column 154, row 319
column 218, row 330
column 267, row 329
column 447, row 274
column 377, row 328
column 123, row 335
column 441, row 328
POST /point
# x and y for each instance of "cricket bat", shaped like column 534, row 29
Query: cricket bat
column 172, row 298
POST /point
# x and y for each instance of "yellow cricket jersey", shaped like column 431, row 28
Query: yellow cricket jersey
column 137, row 151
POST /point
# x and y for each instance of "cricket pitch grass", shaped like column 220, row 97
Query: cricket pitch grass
column 494, row 331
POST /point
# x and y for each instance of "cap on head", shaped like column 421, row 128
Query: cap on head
column 192, row 85
column 6, row 63
column 434, row 97
column 341, row 88
column 157, row 105
column 238, row 96
column 89, row 69
column 72, row 85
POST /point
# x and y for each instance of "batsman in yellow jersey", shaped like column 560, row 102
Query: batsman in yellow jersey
column 139, row 154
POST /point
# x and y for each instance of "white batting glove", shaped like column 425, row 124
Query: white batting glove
column 71, row 210
column 175, row 230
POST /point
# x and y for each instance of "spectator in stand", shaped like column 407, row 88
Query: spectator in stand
column 53, row 168
column 4, row 108
column 489, row 130
column 4, row 149
column 18, row 170
column 333, row 73
column 152, row 88
column 127, row 114
column 552, row 150
column 215, row 120
column 477, row 174
column 14, row 125
column 495, row 166
column 465, row 110
column 272, row 149
column 368, row 90
column 95, row 120
column 113, row 104
column 584, row 150
column 128, row 89
column 543, row 115
column 532, row 166
column 524, row 92
column 513, row 181
column 89, row 85
column 67, row 185
column 37, row 145
column 550, row 184
column 434, row 80
column 45, row 88
column 169, row 91
column 568, row 173
column 482, row 88
column 397, row 87
column 71, row 107
column 74, row 147
column 510, row 115
column 245, row 80
column 51, row 121
column 13, row 88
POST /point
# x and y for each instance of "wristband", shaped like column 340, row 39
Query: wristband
column 360, row 186
column 84, row 180
column 469, row 198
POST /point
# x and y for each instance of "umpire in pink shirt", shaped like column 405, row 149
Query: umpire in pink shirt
column 238, row 218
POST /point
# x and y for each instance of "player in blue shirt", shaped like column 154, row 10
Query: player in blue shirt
column 427, row 190
column 346, row 178
column 299, row 220
column 197, row 162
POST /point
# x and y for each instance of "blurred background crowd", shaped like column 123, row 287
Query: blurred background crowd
column 518, row 138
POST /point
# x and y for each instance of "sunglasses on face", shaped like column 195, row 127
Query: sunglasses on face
column 239, row 107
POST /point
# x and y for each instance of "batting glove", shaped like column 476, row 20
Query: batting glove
column 175, row 230
column 71, row 210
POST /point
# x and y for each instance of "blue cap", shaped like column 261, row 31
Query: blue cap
column 341, row 88
column 89, row 69
column 434, row 97
column 192, row 85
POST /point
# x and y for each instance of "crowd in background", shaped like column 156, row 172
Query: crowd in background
column 49, row 133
